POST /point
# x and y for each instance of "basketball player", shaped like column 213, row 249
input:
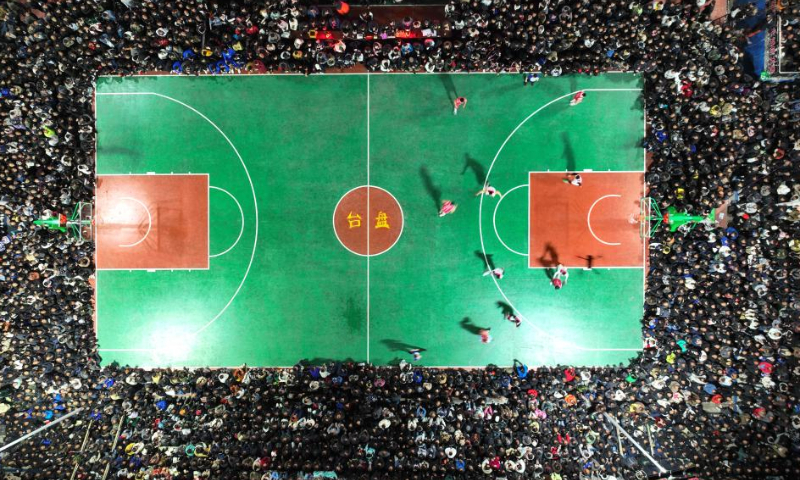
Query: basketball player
column 577, row 98
column 459, row 103
column 447, row 208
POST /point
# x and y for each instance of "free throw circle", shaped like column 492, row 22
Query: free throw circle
column 368, row 220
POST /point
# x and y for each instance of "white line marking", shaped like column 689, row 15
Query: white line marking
column 604, row 267
column 149, row 223
column 589, row 220
column 319, row 74
column 241, row 228
column 588, row 171
column 249, row 179
column 208, row 223
column 94, row 237
column 170, row 269
column 369, row 215
column 644, row 194
column 150, row 174
column 545, row 333
column 645, row 266
column 494, row 221
column 127, row 349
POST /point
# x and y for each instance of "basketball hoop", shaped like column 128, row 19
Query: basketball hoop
column 84, row 227
column 80, row 224
column 649, row 217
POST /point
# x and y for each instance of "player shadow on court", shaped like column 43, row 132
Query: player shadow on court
column 131, row 154
column 449, row 87
column 353, row 315
column 589, row 261
column 472, row 164
column 549, row 257
column 398, row 346
column 569, row 153
column 466, row 324
column 505, row 308
column 486, row 259
column 638, row 105
column 434, row 191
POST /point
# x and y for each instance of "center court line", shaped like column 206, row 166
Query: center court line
column 557, row 341
column 249, row 179
column 149, row 222
column 589, row 220
column 241, row 228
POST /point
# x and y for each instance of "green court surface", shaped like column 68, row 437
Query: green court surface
column 287, row 148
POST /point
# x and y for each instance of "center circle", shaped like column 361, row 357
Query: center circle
column 368, row 220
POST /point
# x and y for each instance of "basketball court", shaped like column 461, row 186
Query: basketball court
column 268, row 219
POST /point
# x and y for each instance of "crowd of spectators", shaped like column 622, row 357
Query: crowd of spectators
column 789, row 19
column 715, row 390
